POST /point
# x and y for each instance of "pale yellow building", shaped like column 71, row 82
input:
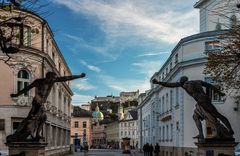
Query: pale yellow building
column 112, row 134
column 38, row 55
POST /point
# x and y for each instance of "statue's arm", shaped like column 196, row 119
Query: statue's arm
column 208, row 85
column 24, row 90
column 68, row 78
column 166, row 84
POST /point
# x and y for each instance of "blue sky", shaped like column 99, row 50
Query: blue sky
column 119, row 44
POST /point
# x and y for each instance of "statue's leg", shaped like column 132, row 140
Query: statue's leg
column 198, row 123
column 225, row 121
column 42, row 119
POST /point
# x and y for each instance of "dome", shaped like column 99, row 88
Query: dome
column 97, row 116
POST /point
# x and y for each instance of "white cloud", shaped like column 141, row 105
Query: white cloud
column 79, row 99
column 147, row 68
column 82, row 84
column 125, row 84
column 152, row 54
column 153, row 19
column 90, row 67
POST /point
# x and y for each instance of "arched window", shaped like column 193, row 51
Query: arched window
column 233, row 21
column 23, row 80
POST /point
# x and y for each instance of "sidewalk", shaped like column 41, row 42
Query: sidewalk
column 105, row 152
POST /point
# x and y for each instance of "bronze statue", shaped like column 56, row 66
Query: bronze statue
column 205, row 110
column 31, row 126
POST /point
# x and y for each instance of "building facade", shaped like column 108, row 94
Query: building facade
column 165, row 114
column 128, row 128
column 38, row 55
column 81, row 126
column 112, row 134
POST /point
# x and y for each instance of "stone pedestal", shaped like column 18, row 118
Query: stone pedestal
column 214, row 147
column 126, row 146
column 27, row 148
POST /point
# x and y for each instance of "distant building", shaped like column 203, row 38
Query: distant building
column 105, row 104
column 81, row 126
column 126, row 97
column 86, row 107
column 128, row 127
column 112, row 134
column 99, row 136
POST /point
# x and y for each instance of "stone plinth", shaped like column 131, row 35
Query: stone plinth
column 27, row 148
column 214, row 147
column 126, row 145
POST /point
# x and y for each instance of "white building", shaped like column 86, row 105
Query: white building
column 128, row 127
column 165, row 114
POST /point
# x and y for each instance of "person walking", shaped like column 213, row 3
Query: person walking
column 145, row 149
column 157, row 149
column 151, row 150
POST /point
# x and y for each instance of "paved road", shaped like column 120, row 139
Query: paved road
column 105, row 152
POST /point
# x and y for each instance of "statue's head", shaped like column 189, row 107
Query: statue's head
column 50, row 75
column 183, row 79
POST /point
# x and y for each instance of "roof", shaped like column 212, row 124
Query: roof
column 134, row 114
column 79, row 112
column 199, row 3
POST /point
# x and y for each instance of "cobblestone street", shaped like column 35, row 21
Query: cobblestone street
column 105, row 152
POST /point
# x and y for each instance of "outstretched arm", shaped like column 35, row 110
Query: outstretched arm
column 166, row 84
column 208, row 85
column 24, row 90
column 68, row 78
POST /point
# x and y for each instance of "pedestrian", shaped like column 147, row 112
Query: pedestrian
column 151, row 150
column 145, row 149
column 148, row 149
column 157, row 149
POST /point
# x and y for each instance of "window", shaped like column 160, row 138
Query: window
column 167, row 133
column 163, row 107
column 233, row 21
column 166, row 70
column 171, row 99
column 212, row 93
column 167, row 102
column 47, row 46
column 84, row 124
column 26, row 36
column 163, row 133
column 177, row 96
column 121, row 133
column 176, row 58
column 15, row 126
column 125, row 133
column 2, row 124
column 22, row 80
column 177, row 126
column 212, row 45
column 170, row 66
column 129, row 133
column 163, row 75
column 171, row 137
column 76, row 124
column 132, row 132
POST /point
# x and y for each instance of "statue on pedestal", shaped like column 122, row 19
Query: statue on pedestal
column 31, row 126
column 205, row 110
